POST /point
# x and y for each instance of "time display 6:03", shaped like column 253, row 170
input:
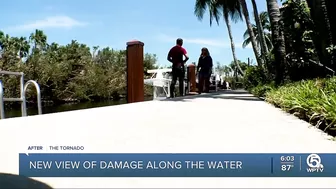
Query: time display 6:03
column 287, row 158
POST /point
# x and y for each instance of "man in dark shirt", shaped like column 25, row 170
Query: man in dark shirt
column 175, row 56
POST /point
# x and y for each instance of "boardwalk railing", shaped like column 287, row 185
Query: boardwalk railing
column 22, row 99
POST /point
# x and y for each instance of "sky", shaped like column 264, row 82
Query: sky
column 111, row 23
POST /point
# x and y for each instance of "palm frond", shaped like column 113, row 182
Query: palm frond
column 200, row 8
column 214, row 11
column 234, row 9
column 264, row 19
column 247, row 34
column 217, row 9
column 246, row 42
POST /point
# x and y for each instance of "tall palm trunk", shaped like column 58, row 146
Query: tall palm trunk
column 322, row 36
column 331, row 17
column 250, row 29
column 263, row 45
column 278, row 39
column 233, row 48
column 327, row 22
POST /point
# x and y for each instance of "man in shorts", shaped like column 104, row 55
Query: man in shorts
column 175, row 56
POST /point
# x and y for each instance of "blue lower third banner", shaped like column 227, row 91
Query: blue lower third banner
column 177, row 165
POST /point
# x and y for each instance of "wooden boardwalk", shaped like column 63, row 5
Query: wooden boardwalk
column 223, row 122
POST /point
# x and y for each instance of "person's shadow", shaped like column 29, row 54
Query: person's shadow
column 10, row 181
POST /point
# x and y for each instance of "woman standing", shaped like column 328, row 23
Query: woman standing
column 204, row 69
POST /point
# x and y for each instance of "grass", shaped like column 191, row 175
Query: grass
column 310, row 100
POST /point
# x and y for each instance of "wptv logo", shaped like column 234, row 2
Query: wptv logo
column 314, row 163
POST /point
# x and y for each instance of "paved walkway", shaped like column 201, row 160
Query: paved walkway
column 236, row 122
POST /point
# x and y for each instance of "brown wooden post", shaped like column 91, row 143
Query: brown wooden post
column 135, row 71
column 192, row 77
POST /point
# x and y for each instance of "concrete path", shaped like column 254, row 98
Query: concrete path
column 238, row 122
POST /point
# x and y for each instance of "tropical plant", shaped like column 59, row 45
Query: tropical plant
column 264, row 19
column 218, row 8
column 260, row 30
column 250, row 30
column 242, row 65
column 227, row 71
column 324, row 38
column 72, row 72
column 278, row 40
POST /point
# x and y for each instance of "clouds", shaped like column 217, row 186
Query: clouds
column 50, row 22
column 219, row 43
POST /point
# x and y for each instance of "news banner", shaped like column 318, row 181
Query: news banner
column 176, row 165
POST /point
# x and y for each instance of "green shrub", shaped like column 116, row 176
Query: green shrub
column 312, row 100
column 254, row 76
column 261, row 90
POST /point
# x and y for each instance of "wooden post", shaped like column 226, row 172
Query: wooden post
column 192, row 77
column 135, row 71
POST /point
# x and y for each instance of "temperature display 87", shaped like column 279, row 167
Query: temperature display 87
column 287, row 163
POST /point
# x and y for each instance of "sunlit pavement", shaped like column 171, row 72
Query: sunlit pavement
column 223, row 122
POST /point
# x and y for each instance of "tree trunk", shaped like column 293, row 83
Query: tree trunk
column 263, row 45
column 332, row 20
column 278, row 39
column 328, row 24
column 233, row 48
column 249, row 27
column 322, row 36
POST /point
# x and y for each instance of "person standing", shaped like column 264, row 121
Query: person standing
column 175, row 56
column 204, row 69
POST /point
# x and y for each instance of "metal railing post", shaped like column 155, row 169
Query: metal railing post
column 23, row 96
column 2, row 105
column 22, row 99
column 154, row 92
column 168, row 86
column 38, row 91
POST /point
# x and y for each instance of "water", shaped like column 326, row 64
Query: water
column 65, row 107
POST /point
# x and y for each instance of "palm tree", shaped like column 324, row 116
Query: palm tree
column 95, row 48
column 22, row 46
column 7, row 44
column 250, row 29
column 278, row 39
column 2, row 35
column 324, row 35
column 266, row 31
column 4, row 41
column 227, row 71
column 218, row 8
column 39, row 40
column 260, row 30
column 243, row 66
